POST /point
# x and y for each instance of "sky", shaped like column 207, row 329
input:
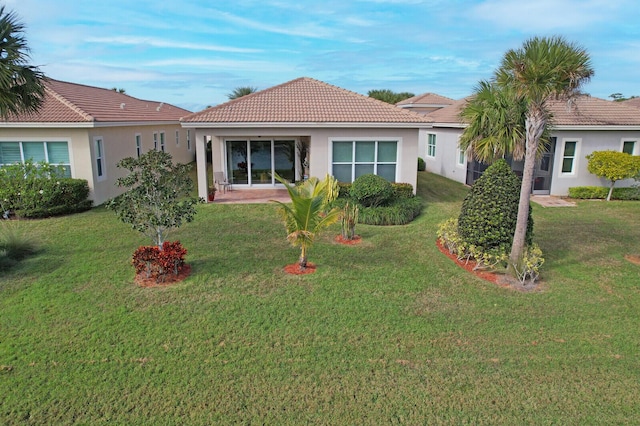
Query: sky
column 193, row 53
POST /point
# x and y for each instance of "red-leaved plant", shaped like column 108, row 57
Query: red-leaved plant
column 156, row 263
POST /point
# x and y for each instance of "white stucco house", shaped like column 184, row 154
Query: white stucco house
column 590, row 124
column 303, row 128
column 88, row 130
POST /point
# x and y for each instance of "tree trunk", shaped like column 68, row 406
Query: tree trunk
column 535, row 124
column 303, row 258
column 613, row 182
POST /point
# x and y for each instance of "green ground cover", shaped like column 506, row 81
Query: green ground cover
column 386, row 332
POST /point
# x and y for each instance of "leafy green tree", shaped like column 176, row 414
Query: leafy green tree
column 21, row 85
column 389, row 96
column 541, row 70
column 308, row 212
column 239, row 92
column 157, row 199
column 613, row 166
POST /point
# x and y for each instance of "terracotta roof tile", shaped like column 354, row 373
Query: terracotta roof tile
column 427, row 99
column 634, row 102
column 586, row 111
column 76, row 103
column 305, row 100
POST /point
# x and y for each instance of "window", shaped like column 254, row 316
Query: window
column 189, row 139
column 162, row 141
column 155, row 140
column 629, row 147
column 569, row 155
column 55, row 153
column 351, row 159
column 461, row 157
column 177, row 137
column 99, row 156
column 431, row 145
column 138, row 145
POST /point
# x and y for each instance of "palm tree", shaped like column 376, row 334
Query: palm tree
column 541, row 70
column 239, row 92
column 307, row 214
column 21, row 85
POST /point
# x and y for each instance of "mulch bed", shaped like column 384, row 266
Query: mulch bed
column 355, row 240
column 633, row 258
column 142, row 280
column 294, row 269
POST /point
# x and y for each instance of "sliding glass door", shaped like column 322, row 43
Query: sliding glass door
column 253, row 162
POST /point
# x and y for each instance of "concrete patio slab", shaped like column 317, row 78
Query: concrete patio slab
column 551, row 201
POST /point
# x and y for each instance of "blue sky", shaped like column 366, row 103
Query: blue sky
column 193, row 53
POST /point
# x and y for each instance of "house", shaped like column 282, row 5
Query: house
column 425, row 103
column 302, row 128
column 88, row 130
column 589, row 124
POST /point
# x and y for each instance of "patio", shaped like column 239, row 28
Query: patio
column 249, row 196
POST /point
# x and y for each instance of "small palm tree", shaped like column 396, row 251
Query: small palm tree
column 21, row 85
column 239, row 92
column 308, row 212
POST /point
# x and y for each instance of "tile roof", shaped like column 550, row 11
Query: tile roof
column 427, row 99
column 305, row 100
column 586, row 111
column 635, row 102
column 76, row 103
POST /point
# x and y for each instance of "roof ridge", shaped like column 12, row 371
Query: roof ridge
column 70, row 104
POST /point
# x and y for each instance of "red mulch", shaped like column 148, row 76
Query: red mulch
column 143, row 281
column 485, row 275
column 635, row 259
column 294, row 269
column 340, row 240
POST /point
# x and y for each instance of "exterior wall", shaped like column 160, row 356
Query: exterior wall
column 588, row 141
column 445, row 162
column 319, row 146
column 118, row 143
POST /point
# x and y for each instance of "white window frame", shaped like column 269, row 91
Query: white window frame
column 353, row 162
column 138, row 139
column 636, row 145
column 461, row 155
column 162, row 142
column 575, row 158
column 431, row 147
column 46, row 150
column 177, row 137
column 189, row 139
column 155, row 140
column 99, row 158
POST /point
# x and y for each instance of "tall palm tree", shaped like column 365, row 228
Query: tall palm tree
column 21, row 85
column 307, row 214
column 239, row 92
column 541, row 70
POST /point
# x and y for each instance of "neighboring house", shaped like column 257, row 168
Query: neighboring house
column 425, row 103
column 89, row 129
column 590, row 124
column 303, row 128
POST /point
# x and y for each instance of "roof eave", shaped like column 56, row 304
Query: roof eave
column 600, row 127
column 224, row 125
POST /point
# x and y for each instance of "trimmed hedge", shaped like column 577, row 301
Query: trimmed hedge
column 422, row 165
column 371, row 190
column 600, row 193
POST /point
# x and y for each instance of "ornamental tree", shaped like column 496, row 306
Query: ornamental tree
column 614, row 166
column 157, row 199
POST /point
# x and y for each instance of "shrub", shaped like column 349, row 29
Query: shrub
column 156, row 263
column 15, row 244
column 422, row 166
column 402, row 190
column 600, row 193
column 490, row 209
column 371, row 190
column 614, row 166
column 400, row 212
column 349, row 220
column 37, row 190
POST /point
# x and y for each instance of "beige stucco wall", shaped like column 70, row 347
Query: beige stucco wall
column 118, row 143
column 319, row 146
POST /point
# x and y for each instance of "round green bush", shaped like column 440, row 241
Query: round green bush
column 371, row 190
column 422, row 166
column 490, row 209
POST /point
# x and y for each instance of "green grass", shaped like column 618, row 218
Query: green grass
column 386, row 332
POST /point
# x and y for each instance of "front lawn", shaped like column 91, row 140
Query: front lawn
column 390, row 331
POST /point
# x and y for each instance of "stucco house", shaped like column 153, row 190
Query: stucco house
column 425, row 103
column 305, row 127
column 590, row 124
column 89, row 129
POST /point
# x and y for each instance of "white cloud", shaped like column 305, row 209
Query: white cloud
column 154, row 42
